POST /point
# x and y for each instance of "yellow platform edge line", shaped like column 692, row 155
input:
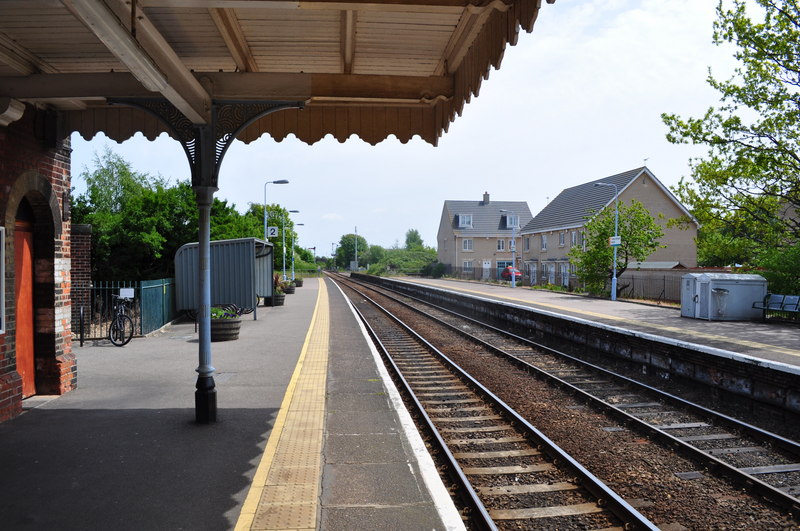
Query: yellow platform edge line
column 250, row 506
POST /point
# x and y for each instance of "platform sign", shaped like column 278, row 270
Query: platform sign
column 615, row 241
column 272, row 232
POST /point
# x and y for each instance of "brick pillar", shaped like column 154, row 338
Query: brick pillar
column 81, row 252
column 35, row 168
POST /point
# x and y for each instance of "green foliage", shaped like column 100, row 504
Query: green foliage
column 277, row 216
column 374, row 255
column 347, row 249
column 139, row 222
column 221, row 313
column 413, row 240
column 779, row 267
column 640, row 234
column 434, row 270
column 746, row 191
column 402, row 261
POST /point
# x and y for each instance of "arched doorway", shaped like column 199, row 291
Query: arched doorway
column 38, row 260
column 23, row 297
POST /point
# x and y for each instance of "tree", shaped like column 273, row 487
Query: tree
column 374, row 255
column 746, row 191
column 639, row 232
column 413, row 240
column 139, row 222
column 347, row 248
column 277, row 216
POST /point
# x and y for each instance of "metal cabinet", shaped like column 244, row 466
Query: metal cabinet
column 721, row 296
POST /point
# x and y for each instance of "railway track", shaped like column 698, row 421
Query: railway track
column 511, row 476
column 764, row 463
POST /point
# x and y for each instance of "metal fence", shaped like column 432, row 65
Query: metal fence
column 152, row 307
column 650, row 286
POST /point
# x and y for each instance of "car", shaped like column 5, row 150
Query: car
column 506, row 273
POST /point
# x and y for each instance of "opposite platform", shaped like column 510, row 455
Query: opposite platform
column 773, row 341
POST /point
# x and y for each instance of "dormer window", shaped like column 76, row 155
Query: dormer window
column 512, row 221
column 465, row 221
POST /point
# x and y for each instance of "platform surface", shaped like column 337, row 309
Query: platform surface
column 309, row 435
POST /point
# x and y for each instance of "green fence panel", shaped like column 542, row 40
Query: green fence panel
column 157, row 303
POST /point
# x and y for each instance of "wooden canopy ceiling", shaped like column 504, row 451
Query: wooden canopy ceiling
column 372, row 68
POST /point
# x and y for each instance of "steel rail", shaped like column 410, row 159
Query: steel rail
column 751, row 482
column 605, row 496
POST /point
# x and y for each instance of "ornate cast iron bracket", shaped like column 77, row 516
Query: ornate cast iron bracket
column 205, row 145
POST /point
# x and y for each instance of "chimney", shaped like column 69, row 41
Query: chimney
column 485, row 198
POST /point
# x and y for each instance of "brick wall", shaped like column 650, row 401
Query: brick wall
column 35, row 165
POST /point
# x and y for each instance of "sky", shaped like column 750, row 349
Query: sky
column 578, row 99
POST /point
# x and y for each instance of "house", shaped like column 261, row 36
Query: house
column 549, row 236
column 477, row 239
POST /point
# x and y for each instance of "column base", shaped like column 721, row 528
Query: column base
column 205, row 400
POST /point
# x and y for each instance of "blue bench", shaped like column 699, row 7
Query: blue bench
column 782, row 304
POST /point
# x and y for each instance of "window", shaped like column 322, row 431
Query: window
column 527, row 244
column 512, row 221
column 574, row 239
column 544, row 242
column 467, row 246
column 501, row 245
column 561, row 239
column 583, row 240
column 465, row 221
column 512, row 245
column 467, row 265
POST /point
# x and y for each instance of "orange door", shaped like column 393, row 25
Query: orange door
column 23, row 282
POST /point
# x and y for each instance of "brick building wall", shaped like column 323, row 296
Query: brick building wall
column 35, row 167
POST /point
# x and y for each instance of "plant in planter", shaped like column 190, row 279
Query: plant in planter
column 278, row 293
column 288, row 287
column 298, row 281
column 225, row 324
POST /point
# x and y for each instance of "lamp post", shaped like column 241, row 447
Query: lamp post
column 616, row 238
column 279, row 181
column 283, row 243
column 296, row 225
column 513, row 247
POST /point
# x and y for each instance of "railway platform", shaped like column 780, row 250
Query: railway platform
column 310, row 435
column 310, row 431
column 774, row 341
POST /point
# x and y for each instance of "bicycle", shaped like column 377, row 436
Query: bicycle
column 121, row 330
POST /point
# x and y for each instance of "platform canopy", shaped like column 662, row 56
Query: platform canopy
column 370, row 68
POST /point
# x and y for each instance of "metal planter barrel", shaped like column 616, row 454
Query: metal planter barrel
column 225, row 329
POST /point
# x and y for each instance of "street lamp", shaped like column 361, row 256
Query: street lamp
column 279, row 181
column 296, row 225
column 616, row 238
column 283, row 236
column 513, row 246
